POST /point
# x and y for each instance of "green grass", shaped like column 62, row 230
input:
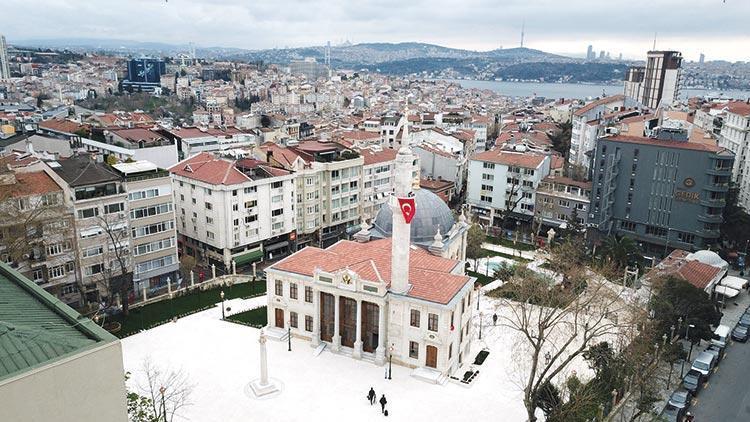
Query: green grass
column 257, row 317
column 488, row 252
column 144, row 317
column 481, row 278
column 509, row 243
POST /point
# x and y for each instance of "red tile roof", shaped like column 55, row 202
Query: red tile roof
column 429, row 275
column 375, row 157
column 209, row 169
column 739, row 107
column 694, row 272
column 33, row 183
column 510, row 158
column 61, row 125
column 592, row 105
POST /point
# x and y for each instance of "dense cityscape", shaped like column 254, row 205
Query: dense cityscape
column 371, row 229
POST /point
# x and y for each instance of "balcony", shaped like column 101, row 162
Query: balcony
column 719, row 171
column 713, row 202
column 710, row 218
column 709, row 234
column 716, row 187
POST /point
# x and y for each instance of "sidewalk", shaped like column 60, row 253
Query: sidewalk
column 530, row 255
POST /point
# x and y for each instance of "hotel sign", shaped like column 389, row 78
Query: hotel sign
column 686, row 196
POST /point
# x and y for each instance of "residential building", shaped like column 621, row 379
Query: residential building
column 4, row 62
column 703, row 269
column 377, row 178
column 145, row 144
column 664, row 191
column 49, row 351
column 633, row 83
column 151, row 215
column 232, row 212
column 587, row 129
column 37, row 234
column 328, row 178
column 735, row 136
column 560, row 199
column 309, row 67
column 193, row 140
column 503, row 183
column 658, row 83
column 379, row 300
column 144, row 74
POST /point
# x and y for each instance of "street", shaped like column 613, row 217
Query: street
column 726, row 396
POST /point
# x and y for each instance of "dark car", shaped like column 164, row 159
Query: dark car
column 744, row 321
column 716, row 351
column 693, row 381
column 672, row 414
column 740, row 334
column 681, row 399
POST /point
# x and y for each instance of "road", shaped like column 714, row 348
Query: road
column 726, row 397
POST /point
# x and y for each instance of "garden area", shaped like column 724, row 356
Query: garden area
column 257, row 318
column 508, row 243
column 183, row 303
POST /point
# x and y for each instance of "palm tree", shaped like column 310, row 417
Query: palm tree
column 621, row 250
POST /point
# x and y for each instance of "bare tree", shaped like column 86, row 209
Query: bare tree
column 555, row 321
column 115, row 276
column 512, row 199
column 161, row 394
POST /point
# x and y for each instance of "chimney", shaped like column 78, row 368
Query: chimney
column 401, row 235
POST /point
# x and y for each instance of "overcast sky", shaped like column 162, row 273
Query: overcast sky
column 720, row 30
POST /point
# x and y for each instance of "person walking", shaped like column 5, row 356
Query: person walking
column 372, row 396
column 383, row 401
column 494, row 319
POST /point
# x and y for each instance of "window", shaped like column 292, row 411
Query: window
column 209, row 206
column 154, row 246
column 234, row 192
column 275, row 213
column 293, row 290
column 414, row 318
column 488, row 165
column 564, row 203
column 56, row 272
column 250, row 189
column 432, row 322
column 487, row 188
column 308, row 323
column 485, row 198
column 149, row 193
column 209, row 220
column 151, row 211
column 182, row 197
column 486, row 176
column 55, row 249
column 38, row 275
column 210, row 235
column 308, row 294
column 276, row 185
column 155, row 264
column 656, row 231
column 414, row 350
column 627, row 226
column 94, row 269
column 279, row 288
column 208, row 191
column 277, row 198
column 686, row 237
column 236, row 222
column 250, row 218
column 293, row 319
column 96, row 250
column 152, row 229
column 113, row 208
column 88, row 212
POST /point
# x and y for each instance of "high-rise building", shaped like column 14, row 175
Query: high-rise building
column 665, row 190
column 590, row 53
column 144, row 74
column 602, row 55
column 658, row 83
column 702, row 58
column 4, row 67
column 661, row 82
column 308, row 67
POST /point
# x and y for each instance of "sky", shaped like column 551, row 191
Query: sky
column 718, row 28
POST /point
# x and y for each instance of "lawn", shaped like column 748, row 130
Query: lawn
column 488, row 252
column 257, row 317
column 481, row 278
column 509, row 243
column 182, row 304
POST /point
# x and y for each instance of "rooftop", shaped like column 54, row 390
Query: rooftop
column 511, row 158
column 82, row 171
column 696, row 146
column 214, row 170
column 37, row 329
column 32, row 183
column 603, row 101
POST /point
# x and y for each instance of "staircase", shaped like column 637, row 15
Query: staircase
column 318, row 350
column 429, row 375
column 278, row 334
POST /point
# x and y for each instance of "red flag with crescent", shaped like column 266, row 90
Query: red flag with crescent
column 408, row 209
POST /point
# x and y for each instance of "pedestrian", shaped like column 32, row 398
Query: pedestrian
column 372, row 396
column 383, row 401
column 494, row 319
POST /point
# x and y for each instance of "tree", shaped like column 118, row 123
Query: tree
column 622, row 251
column 512, row 200
column 474, row 239
column 561, row 139
column 674, row 298
column 187, row 264
column 556, row 323
column 735, row 229
column 160, row 396
column 115, row 276
column 574, row 229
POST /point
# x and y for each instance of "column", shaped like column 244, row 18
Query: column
column 357, row 353
column 380, row 351
column 315, row 341
column 336, row 335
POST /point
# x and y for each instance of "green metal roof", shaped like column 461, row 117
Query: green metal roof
column 36, row 328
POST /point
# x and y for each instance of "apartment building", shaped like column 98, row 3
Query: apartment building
column 658, row 83
column 328, row 180
column 560, row 199
column 37, row 236
column 232, row 212
column 735, row 136
column 503, row 180
column 587, row 129
column 377, row 178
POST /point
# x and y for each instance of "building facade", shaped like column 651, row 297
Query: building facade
column 735, row 136
column 561, row 199
column 4, row 63
column 663, row 191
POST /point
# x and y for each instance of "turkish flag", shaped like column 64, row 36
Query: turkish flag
column 408, row 208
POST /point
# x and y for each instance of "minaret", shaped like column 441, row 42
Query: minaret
column 401, row 235
column 405, row 134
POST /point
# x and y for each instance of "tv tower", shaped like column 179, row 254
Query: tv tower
column 327, row 57
column 523, row 25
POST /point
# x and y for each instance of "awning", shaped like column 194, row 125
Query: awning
column 726, row 291
column 521, row 217
column 733, row 282
column 248, row 257
column 353, row 229
column 276, row 246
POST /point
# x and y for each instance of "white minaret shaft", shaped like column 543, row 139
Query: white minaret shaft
column 401, row 237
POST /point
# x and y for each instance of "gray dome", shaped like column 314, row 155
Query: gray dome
column 432, row 213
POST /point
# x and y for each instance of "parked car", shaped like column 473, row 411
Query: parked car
column 693, row 381
column 672, row 414
column 704, row 363
column 716, row 351
column 681, row 399
column 740, row 334
column 721, row 335
column 744, row 321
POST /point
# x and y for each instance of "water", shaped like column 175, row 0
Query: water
column 566, row 90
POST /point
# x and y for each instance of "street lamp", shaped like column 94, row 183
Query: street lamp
column 390, row 361
column 480, row 325
column 163, row 403
column 221, row 294
column 479, row 295
column 518, row 231
column 687, row 336
column 671, row 334
column 289, row 334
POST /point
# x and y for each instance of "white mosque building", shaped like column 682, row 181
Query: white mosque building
column 398, row 292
